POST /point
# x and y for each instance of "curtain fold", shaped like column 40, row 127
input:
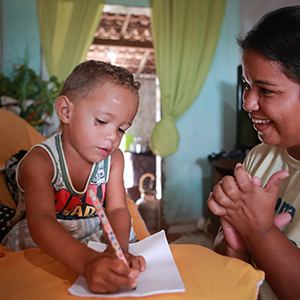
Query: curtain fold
column 185, row 37
column 67, row 30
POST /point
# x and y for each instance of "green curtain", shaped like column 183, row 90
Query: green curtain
column 185, row 37
column 67, row 29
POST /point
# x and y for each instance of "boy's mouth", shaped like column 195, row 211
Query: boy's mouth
column 104, row 151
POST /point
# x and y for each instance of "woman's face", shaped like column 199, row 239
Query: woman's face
column 273, row 102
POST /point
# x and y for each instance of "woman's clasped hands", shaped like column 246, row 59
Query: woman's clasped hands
column 246, row 209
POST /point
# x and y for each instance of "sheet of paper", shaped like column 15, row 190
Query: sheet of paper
column 161, row 275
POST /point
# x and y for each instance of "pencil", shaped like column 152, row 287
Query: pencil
column 107, row 227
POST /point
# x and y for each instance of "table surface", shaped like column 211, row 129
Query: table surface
column 31, row 275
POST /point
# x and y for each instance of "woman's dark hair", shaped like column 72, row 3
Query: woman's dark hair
column 90, row 74
column 277, row 35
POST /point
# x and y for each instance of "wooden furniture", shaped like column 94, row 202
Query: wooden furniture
column 138, row 164
column 221, row 167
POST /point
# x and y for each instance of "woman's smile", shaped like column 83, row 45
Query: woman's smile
column 272, row 100
column 261, row 125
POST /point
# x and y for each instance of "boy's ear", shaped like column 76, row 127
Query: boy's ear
column 63, row 108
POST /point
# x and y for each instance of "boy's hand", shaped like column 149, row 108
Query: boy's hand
column 136, row 262
column 106, row 273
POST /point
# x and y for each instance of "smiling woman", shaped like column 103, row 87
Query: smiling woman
column 267, row 183
column 265, row 92
column 246, row 135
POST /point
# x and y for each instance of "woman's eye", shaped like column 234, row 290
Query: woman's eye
column 246, row 84
column 265, row 91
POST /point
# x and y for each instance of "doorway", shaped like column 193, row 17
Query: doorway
column 124, row 38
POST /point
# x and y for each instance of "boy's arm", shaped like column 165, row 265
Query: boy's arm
column 36, row 175
column 117, row 210
column 115, row 200
column 103, row 271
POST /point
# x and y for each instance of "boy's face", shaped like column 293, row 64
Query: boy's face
column 98, row 123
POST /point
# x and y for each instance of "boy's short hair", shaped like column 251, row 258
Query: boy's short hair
column 90, row 74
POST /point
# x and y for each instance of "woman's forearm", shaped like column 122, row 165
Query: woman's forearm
column 221, row 247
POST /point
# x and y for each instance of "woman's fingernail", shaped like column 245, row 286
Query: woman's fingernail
column 239, row 165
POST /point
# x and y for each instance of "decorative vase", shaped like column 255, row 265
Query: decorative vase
column 148, row 205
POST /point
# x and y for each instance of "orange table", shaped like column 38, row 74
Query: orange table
column 31, row 274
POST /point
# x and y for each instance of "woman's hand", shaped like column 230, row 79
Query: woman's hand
column 245, row 205
column 233, row 239
column 237, row 201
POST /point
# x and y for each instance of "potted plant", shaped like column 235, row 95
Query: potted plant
column 27, row 95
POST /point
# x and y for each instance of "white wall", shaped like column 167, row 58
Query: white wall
column 252, row 11
column 208, row 126
column 21, row 36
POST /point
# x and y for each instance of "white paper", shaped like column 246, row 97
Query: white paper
column 161, row 275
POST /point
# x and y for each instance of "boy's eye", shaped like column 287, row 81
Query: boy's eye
column 122, row 131
column 100, row 121
column 104, row 122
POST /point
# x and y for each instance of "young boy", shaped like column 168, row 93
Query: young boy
column 96, row 106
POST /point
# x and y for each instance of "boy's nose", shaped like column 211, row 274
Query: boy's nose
column 111, row 136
